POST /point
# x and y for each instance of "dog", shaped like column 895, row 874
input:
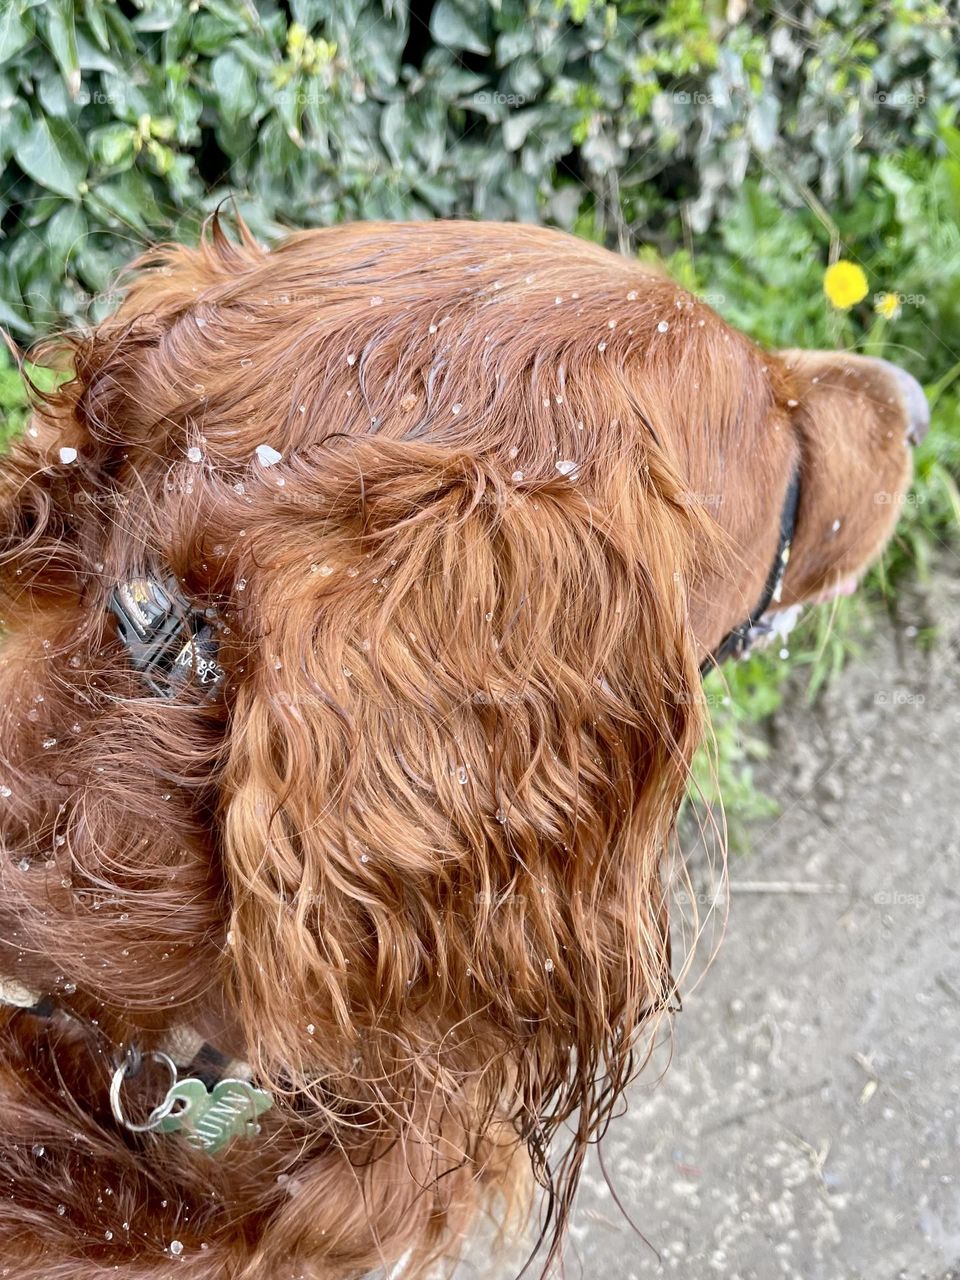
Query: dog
column 356, row 598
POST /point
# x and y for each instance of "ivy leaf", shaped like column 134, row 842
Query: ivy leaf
column 52, row 154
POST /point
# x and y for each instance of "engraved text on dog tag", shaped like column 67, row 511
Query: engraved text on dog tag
column 210, row 1118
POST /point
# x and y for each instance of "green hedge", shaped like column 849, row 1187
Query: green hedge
column 122, row 123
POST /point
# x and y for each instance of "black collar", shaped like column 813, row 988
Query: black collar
column 739, row 640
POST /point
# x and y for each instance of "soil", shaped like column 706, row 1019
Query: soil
column 807, row 1125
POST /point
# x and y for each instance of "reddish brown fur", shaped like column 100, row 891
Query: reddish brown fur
column 432, row 807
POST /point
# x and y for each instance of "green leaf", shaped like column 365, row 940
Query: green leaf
column 456, row 28
column 395, row 132
column 235, row 86
column 212, row 31
column 308, row 12
column 52, row 154
column 64, row 234
column 92, row 58
column 113, row 145
column 97, row 268
column 11, row 319
column 160, row 15
column 93, row 16
column 16, row 31
column 15, row 124
column 54, row 98
column 125, row 202
column 62, row 37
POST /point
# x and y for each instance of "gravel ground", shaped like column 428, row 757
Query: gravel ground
column 808, row 1126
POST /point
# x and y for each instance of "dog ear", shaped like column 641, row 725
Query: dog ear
column 458, row 746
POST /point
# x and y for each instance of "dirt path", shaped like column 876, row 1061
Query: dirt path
column 809, row 1125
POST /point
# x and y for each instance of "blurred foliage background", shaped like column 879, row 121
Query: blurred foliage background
column 748, row 144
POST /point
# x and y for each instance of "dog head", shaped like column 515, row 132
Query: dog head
column 461, row 509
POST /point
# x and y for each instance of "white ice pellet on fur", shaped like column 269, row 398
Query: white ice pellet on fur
column 195, row 454
column 68, row 454
column 662, row 327
column 176, row 1248
column 567, row 467
column 267, row 455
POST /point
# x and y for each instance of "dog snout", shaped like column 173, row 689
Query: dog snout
column 914, row 401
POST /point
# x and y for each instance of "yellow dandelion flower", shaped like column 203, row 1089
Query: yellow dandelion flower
column 845, row 283
column 887, row 305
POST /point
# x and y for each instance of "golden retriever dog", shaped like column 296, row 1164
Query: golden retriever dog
column 356, row 596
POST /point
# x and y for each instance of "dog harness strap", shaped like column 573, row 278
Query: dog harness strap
column 739, row 640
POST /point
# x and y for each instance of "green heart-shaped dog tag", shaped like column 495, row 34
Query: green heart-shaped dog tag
column 210, row 1118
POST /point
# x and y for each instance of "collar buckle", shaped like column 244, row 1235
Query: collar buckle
column 168, row 640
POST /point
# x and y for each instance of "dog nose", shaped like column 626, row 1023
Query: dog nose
column 914, row 401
